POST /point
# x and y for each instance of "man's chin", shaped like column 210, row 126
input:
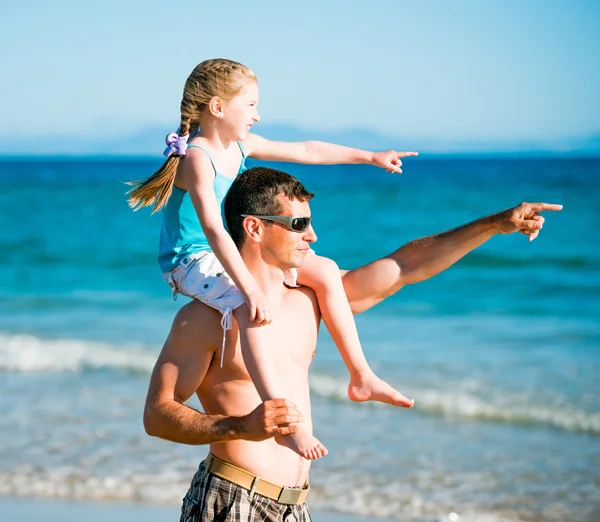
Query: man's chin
column 301, row 257
column 297, row 262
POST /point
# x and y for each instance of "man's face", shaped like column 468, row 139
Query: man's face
column 283, row 247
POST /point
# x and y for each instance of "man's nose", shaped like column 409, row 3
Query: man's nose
column 310, row 236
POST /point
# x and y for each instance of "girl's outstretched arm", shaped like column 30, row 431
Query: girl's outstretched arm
column 321, row 153
column 199, row 178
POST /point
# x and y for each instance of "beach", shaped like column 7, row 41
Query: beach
column 501, row 352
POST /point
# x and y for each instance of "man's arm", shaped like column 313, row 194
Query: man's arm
column 179, row 372
column 423, row 258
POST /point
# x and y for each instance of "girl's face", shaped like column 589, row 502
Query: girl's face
column 240, row 113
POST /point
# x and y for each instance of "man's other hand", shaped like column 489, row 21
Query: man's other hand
column 269, row 419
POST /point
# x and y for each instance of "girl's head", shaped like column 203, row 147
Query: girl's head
column 220, row 89
column 218, row 92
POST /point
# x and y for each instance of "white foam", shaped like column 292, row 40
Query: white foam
column 510, row 409
column 72, row 483
column 366, row 499
column 26, row 353
column 394, row 498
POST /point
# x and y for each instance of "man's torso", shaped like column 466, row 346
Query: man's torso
column 230, row 391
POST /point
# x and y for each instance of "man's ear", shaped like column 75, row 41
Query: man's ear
column 253, row 228
column 215, row 106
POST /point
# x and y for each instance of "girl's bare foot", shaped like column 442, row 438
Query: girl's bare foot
column 304, row 444
column 369, row 387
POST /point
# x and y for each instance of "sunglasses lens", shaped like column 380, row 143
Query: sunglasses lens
column 300, row 224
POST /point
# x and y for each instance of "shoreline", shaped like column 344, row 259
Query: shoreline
column 25, row 509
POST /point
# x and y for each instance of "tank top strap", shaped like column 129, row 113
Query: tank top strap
column 205, row 152
column 242, row 149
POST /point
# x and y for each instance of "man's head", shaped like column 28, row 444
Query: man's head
column 262, row 191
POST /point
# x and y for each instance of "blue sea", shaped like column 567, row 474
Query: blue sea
column 501, row 352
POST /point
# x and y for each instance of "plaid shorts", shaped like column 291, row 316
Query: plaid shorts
column 211, row 498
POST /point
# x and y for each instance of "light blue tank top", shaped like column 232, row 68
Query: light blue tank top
column 181, row 233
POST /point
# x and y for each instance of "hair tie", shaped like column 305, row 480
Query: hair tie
column 176, row 144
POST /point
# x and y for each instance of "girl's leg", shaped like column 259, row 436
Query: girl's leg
column 323, row 276
column 260, row 359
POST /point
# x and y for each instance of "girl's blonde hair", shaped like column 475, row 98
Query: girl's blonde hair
column 217, row 77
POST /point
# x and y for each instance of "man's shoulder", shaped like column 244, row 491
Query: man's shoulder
column 198, row 323
column 198, row 310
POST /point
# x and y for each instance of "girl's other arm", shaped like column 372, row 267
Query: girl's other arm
column 321, row 153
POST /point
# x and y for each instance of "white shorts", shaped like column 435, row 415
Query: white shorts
column 202, row 277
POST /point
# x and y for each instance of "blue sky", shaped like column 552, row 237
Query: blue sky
column 489, row 70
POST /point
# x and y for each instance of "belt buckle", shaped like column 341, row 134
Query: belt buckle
column 290, row 495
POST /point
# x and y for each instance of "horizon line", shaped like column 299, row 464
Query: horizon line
column 579, row 155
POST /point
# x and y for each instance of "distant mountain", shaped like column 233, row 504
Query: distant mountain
column 149, row 141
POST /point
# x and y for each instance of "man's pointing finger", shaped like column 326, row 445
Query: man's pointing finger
column 538, row 207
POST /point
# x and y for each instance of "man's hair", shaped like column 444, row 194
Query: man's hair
column 256, row 192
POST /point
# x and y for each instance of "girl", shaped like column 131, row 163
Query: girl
column 198, row 257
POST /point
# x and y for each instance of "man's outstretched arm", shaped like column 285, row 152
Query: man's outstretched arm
column 178, row 373
column 423, row 258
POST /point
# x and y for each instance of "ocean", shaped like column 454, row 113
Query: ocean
column 501, row 352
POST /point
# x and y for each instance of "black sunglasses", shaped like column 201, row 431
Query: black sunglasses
column 295, row 224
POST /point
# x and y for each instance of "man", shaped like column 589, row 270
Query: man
column 248, row 475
